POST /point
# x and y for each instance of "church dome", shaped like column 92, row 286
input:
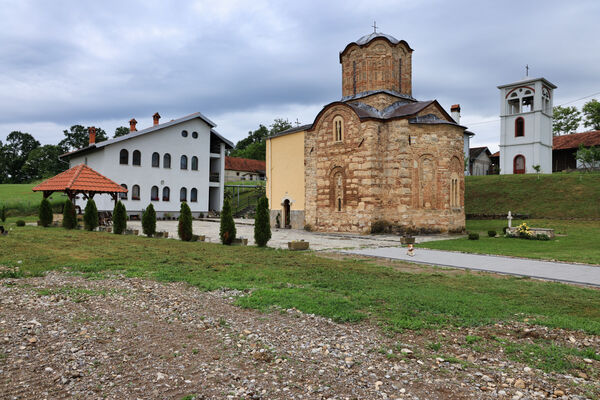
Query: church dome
column 367, row 38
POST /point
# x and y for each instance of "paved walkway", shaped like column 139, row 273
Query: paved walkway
column 556, row 271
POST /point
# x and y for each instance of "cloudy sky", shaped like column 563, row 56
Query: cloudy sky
column 243, row 63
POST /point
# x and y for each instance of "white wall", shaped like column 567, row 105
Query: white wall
column 166, row 140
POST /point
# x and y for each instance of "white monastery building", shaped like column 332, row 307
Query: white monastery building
column 526, row 126
column 180, row 160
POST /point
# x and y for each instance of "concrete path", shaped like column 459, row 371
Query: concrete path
column 556, row 271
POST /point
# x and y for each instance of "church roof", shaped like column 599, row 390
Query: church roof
column 526, row 81
column 366, row 39
column 80, row 178
column 372, row 92
column 474, row 152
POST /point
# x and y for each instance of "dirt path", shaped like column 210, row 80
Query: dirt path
column 62, row 337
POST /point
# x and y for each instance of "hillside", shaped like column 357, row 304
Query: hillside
column 20, row 200
column 557, row 196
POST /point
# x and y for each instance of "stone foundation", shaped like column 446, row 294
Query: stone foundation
column 296, row 219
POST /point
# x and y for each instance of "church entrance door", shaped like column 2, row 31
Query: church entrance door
column 286, row 215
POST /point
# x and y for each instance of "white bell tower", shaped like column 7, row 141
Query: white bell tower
column 526, row 126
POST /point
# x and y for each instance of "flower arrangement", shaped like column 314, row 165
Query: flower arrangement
column 523, row 231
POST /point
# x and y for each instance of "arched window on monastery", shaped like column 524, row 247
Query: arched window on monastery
column 135, row 192
column 400, row 75
column 136, row 159
column 194, row 195
column 123, row 196
column 166, row 193
column 195, row 163
column 519, row 127
column 167, row 160
column 155, row 160
column 154, row 193
column 183, row 162
column 427, row 182
column 520, row 100
column 455, row 171
column 337, row 189
column 183, row 194
column 546, row 101
column 338, row 129
column 124, row 157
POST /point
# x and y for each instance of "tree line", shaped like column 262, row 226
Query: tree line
column 566, row 120
column 23, row 159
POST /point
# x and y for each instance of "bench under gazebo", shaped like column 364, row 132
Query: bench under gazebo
column 83, row 180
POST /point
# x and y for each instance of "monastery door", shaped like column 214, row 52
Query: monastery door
column 519, row 165
column 286, row 215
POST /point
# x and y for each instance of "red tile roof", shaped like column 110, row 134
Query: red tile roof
column 244, row 164
column 572, row 141
column 496, row 154
column 80, row 178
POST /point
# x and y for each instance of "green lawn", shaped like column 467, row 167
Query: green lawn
column 577, row 241
column 554, row 196
column 20, row 200
column 346, row 291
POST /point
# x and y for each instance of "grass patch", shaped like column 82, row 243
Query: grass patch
column 343, row 290
column 549, row 357
column 561, row 195
column 579, row 243
column 19, row 200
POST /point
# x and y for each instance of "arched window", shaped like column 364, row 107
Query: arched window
column 338, row 129
column 519, row 164
column 194, row 195
column 166, row 193
column 337, row 188
column 155, row 160
column 135, row 192
column 136, row 159
column 124, row 157
column 519, row 127
column 154, row 193
column 195, row 135
column 167, row 160
column 183, row 162
column 184, row 133
column 183, row 194
column 123, row 196
column 520, row 100
column 546, row 100
column 195, row 163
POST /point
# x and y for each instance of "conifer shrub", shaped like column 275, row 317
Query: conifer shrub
column 119, row 218
column 473, row 236
column 20, row 222
column 184, row 228
column 90, row 216
column 45, row 214
column 149, row 221
column 69, row 218
column 492, row 233
column 227, row 229
column 262, row 226
column 3, row 213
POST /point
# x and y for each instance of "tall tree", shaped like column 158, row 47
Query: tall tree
column 43, row 162
column 566, row 120
column 254, row 145
column 15, row 152
column 121, row 131
column 591, row 110
column 77, row 137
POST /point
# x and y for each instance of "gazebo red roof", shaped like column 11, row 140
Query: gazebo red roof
column 80, row 178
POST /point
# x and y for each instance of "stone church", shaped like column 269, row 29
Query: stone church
column 376, row 154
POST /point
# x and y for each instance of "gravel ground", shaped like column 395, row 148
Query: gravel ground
column 63, row 336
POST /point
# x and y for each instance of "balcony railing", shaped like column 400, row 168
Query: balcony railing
column 214, row 177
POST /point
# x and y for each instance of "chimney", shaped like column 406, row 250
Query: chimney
column 92, row 134
column 132, row 123
column 156, row 117
column 455, row 112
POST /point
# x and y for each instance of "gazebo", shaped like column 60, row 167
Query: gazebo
column 83, row 180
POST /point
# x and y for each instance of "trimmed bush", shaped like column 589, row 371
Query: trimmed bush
column 90, row 216
column 184, row 228
column 45, row 214
column 201, row 215
column 262, row 226
column 119, row 218
column 227, row 229
column 542, row 236
column 69, row 218
column 3, row 213
column 492, row 233
column 149, row 221
column 381, row 226
column 473, row 236
column 20, row 223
